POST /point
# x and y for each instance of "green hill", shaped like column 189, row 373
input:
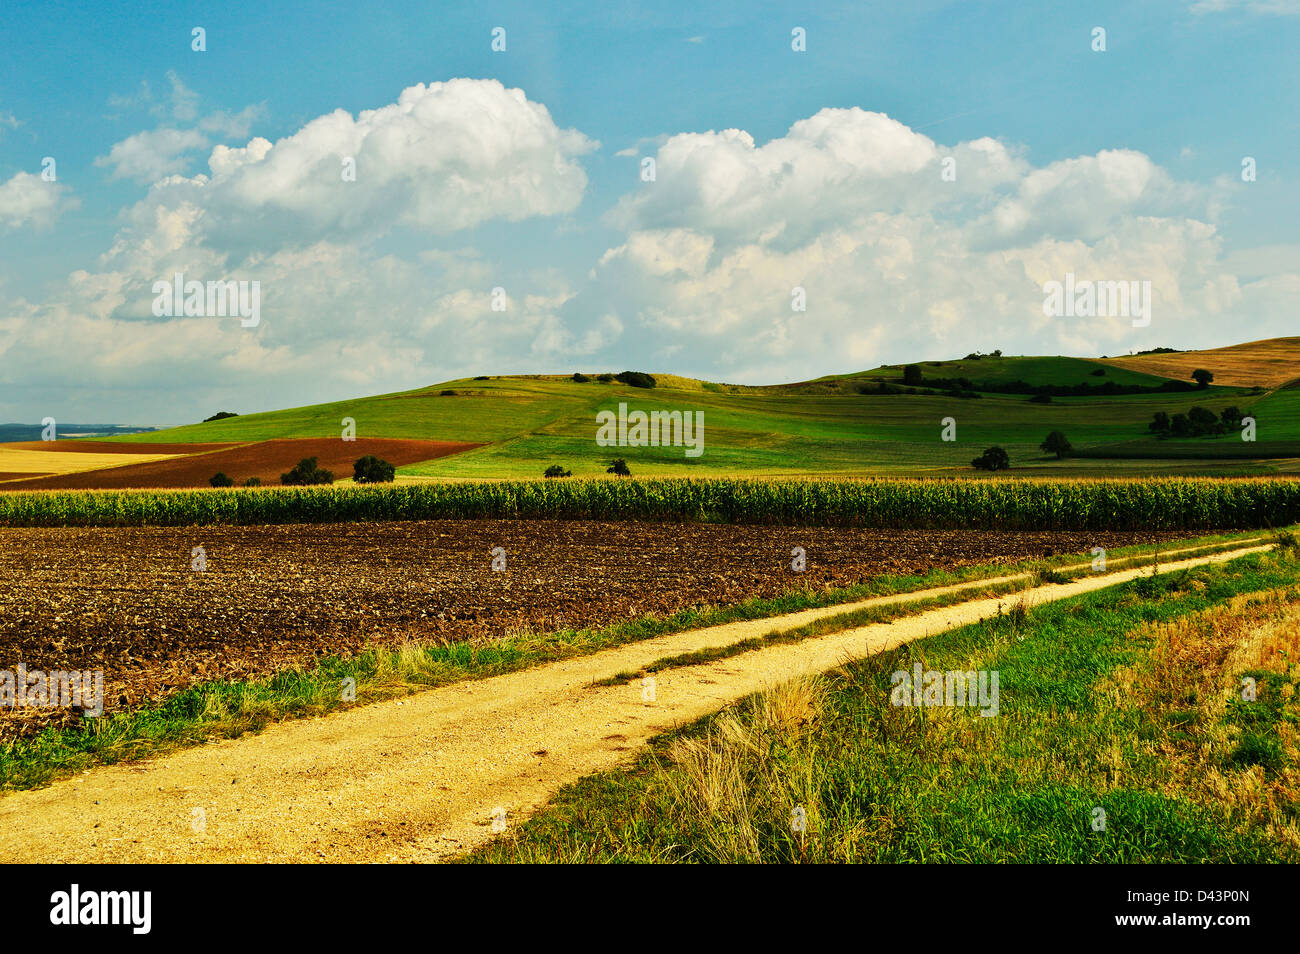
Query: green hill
column 826, row 426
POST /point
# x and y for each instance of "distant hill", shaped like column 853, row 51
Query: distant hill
column 1267, row 363
column 32, row 432
column 868, row 422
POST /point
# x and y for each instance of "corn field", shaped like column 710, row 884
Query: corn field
column 1176, row 503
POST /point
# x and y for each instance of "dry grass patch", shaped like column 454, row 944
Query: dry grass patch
column 1219, row 692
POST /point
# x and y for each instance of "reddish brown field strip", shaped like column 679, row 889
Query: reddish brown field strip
column 126, row 601
column 265, row 460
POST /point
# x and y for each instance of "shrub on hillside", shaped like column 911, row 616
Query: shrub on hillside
column 372, row 470
column 555, row 470
column 220, row 416
column 253, row 482
column 637, row 379
column 912, row 375
column 994, row 458
column 447, row 393
column 605, row 378
column 619, row 466
column 220, row 480
column 580, row 378
column 306, row 473
column 1202, row 377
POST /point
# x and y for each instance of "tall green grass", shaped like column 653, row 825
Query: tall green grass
column 1174, row 503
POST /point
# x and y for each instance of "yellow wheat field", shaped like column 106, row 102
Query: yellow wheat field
column 19, row 461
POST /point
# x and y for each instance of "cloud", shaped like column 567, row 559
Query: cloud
column 903, row 247
column 835, row 164
column 182, row 105
column 27, row 199
column 899, row 261
column 1284, row 8
column 149, row 156
column 443, row 157
column 233, row 125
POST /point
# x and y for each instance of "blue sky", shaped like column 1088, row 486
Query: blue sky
column 1117, row 164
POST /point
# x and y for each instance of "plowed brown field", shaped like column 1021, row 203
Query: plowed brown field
column 265, row 460
column 126, row 600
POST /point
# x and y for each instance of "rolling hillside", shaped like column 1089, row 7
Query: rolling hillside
column 1269, row 363
column 840, row 424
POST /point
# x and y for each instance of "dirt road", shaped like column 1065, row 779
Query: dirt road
column 420, row 780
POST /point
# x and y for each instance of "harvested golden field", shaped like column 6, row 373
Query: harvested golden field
column 29, row 459
column 1268, row 363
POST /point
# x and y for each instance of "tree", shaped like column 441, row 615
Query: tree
column 1179, row 426
column 372, row 470
column 912, row 375
column 220, row 416
column 305, row 473
column 1056, row 443
column 1202, row 377
column 994, row 458
column 220, row 480
column 1231, row 417
column 1160, row 423
column 253, row 482
column 1203, row 421
column 555, row 470
column 580, row 378
column 619, row 466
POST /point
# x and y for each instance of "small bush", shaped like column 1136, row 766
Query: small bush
column 604, row 378
column 372, row 470
column 481, row 377
column 447, row 393
column 220, row 416
column 619, row 466
column 1099, row 373
column 580, row 378
column 305, row 473
column 994, row 458
column 253, row 482
column 220, row 480
column 555, row 470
